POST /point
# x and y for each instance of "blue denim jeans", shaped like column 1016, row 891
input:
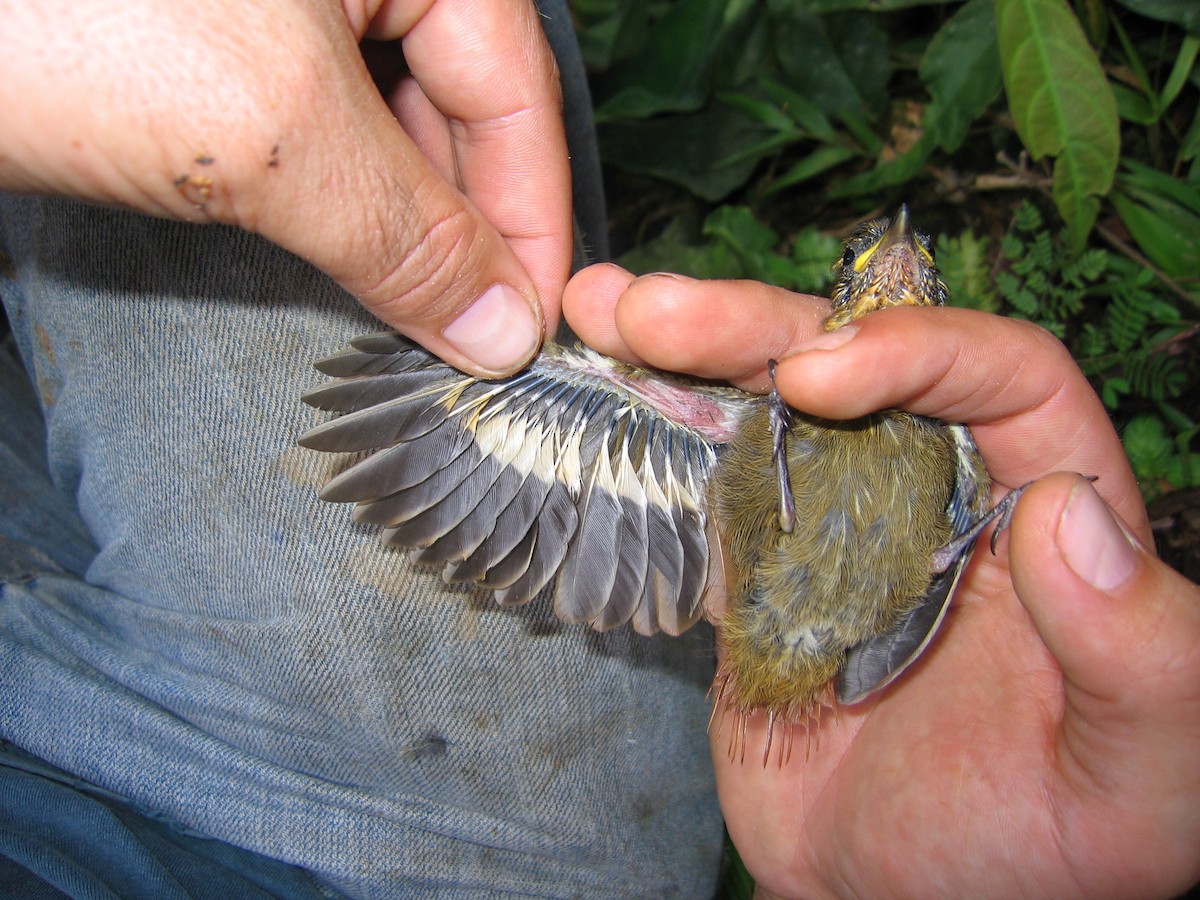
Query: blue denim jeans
column 213, row 683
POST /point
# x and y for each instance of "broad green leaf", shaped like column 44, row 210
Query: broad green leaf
column 692, row 149
column 1163, row 215
column 671, row 251
column 1190, row 147
column 674, row 72
column 1180, row 73
column 608, row 30
column 838, row 62
column 1185, row 13
column 827, row 6
column 807, row 116
column 887, row 174
column 737, row 226
column 1132, row 106
column 820, row 160
column 961, row 71
column 738, row 230
column 1146, row 178
column 1061, row 104
column 762, row 110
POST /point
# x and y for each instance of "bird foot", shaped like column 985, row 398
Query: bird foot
column 944, row 557
column 781, row 424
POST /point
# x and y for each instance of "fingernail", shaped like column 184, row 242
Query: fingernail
column 829, row 340
column 498, row 331
column 674, row 276
column 1092, row 541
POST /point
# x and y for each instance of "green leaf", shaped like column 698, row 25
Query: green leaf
column 738, row 227
column 819, row 161
column 825, row 6
column 1061, row 104
column 671, row 251
column 764, row 111
column 1179, row 420
column 966, row 269
column 1190, row 146
column 807, row 116
column 1184, row 13
column 676, row 68
column 1132, row 106
column 1146, row 178
column 606, row 28
column 753, row 243
column 1163, row 215
column 1148, row 447
column 813, row 251
column 693, row 150
column 1180, row 72
column 1127, row 319
column 1112, row 390
column 838, row 61
column 961, row 71
column 888, row 174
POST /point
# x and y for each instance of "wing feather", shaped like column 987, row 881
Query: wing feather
column 559, row 474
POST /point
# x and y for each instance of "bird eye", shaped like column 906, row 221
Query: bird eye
column 926, row 244
column 848, row 257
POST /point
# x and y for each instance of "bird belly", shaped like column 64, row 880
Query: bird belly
column 871, row 506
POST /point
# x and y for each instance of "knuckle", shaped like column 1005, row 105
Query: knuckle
column 432, row 277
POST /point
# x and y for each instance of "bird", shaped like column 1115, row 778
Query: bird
column 827, row 551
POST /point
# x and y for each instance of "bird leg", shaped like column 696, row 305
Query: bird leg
column 781, row 423
column 1002, row 513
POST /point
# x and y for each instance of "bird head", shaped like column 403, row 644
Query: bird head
column 885, row 263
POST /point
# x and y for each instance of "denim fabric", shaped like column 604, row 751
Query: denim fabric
column 207, row 648
column 84, row 843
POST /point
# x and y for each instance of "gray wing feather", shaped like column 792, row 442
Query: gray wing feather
column 555, row 524
column 382, row 425
column 556, row 473
column 877, row 662
column 589, row 570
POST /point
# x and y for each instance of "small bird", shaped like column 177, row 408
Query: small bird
column 828, row 550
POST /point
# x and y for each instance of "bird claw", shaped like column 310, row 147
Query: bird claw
column 1001, row 514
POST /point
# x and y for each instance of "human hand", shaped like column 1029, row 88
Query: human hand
column 444, row 206
column 1047, row 743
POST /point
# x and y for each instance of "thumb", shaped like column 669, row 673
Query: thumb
column 412, row 247
column 1125, row 630
column 422, row 258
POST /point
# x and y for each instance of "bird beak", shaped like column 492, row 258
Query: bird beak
column 900, row 230
column 899, row 233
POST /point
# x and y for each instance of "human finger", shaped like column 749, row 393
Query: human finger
column 487, row 68
column 1030, row 408
column 708, row 328
column 1124, row 628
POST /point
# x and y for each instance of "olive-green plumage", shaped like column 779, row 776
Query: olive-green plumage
column 870, row 496
column 874, row 501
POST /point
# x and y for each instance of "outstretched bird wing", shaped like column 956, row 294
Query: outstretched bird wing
column 577, row 467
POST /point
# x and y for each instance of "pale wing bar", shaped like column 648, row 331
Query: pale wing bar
column 508, row 484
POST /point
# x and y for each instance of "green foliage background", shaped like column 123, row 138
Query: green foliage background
column 1051, row 147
